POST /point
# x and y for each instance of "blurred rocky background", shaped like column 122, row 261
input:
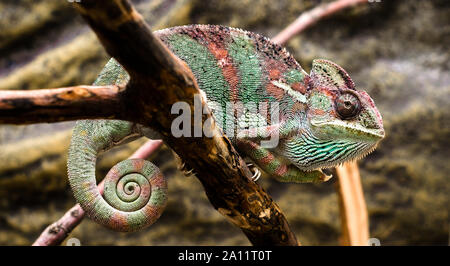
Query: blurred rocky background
column 397, row 50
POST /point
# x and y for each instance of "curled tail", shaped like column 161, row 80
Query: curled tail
column 135, row 192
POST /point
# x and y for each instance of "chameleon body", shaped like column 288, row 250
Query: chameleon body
column 322, row 120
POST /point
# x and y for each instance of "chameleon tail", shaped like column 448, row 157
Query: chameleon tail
column 135, row 191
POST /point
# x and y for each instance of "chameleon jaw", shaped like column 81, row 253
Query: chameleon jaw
column 358, row 150
column 374, row 135
column 357, row 157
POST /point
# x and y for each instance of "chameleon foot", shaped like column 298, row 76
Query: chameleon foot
column 325, row 177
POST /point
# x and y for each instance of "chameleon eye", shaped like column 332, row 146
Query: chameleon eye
column 347, row 105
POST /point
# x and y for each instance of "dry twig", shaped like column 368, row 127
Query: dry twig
column 310, row 17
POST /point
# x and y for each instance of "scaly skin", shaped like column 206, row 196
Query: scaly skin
column 135, row 192
column 323, row 120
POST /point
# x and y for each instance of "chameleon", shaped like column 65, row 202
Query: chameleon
column 323, row 121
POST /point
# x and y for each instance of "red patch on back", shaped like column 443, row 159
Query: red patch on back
column 230, row 74
column 217, row 51
column 275, row 68
column 228, row 70
column 275, row 91
column 274, row 74
column 298, row 86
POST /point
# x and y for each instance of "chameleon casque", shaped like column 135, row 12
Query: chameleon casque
column 323, row 121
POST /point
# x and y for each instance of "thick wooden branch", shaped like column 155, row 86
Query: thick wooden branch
column 62, row 104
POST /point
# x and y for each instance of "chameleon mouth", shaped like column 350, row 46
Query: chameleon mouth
column 372, row 135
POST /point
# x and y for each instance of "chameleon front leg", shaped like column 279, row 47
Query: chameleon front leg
column 135, row 191
column 276, row 167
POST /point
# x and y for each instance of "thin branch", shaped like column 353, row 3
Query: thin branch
column 146, row 150
column 310, row 17
column 354, row 218
column 57, row 232
column 53, row 105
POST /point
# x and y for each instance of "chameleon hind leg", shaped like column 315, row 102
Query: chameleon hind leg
column 276, row 167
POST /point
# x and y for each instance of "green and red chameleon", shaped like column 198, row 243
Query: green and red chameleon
column 322, row 121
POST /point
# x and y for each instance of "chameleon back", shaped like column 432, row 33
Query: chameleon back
column 234, row 66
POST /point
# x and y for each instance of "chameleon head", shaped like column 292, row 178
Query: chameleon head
column 342, row 123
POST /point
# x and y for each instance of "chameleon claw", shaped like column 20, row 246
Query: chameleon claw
column 325, row 177
column 257, row 173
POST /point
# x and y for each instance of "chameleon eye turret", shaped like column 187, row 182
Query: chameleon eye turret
column 347, row 105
